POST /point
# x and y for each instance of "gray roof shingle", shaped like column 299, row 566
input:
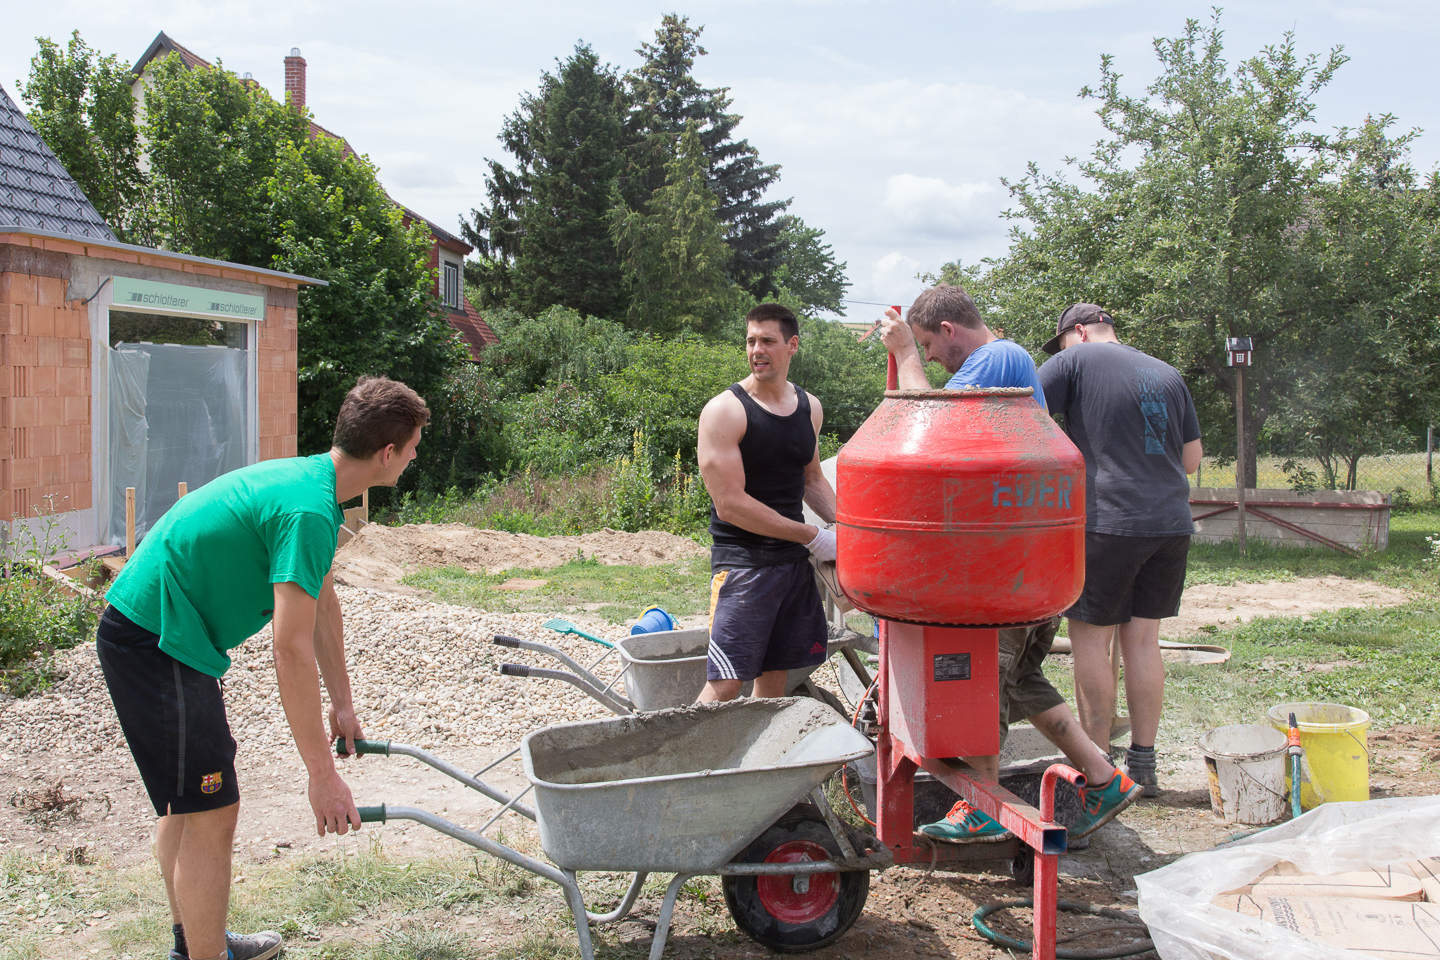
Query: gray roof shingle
column 35, row 190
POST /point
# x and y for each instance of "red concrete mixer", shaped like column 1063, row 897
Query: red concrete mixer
column 958, row 512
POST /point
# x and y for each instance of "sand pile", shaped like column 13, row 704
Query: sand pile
column 381, row 555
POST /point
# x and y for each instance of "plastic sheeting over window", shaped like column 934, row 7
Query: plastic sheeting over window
column 177, row 413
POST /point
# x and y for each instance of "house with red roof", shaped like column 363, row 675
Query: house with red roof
column 447, row 251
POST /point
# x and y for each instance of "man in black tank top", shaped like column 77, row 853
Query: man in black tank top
column 760, row 459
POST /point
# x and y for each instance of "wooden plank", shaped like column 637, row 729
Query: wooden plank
column 129, row 521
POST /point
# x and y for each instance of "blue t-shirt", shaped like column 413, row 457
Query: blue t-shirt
column 999, row 363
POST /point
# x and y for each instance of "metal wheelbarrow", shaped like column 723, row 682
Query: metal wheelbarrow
column 709, row 789
column 661, row 670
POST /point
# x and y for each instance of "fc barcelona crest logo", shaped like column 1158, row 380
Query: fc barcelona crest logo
column 210, row 782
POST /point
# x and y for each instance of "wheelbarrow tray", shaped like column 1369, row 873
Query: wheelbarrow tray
column 680, row 790
column 667, row 669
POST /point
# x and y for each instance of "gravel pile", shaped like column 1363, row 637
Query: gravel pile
column 424, row 673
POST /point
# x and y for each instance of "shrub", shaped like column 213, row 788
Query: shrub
column 37, row 616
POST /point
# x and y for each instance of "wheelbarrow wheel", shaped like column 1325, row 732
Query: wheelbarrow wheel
column 788, row 914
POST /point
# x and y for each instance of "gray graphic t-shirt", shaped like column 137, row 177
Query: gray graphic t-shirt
column 1130, row 415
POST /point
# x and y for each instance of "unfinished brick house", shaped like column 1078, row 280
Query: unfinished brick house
column 123, row 366
column 447, row 251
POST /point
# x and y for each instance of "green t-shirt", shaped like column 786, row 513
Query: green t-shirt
column 202, row 577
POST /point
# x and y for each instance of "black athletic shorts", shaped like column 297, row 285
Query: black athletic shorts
column 1128, row 577
column 173, row 717
column 763, row 619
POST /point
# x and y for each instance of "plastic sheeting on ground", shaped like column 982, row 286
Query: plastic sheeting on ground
column 177, row 413
column 1332, row 838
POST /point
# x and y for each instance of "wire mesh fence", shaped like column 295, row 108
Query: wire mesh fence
column 1408, row 477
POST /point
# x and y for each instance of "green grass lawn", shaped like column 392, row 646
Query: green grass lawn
column 1383, row 660
column 614, row 593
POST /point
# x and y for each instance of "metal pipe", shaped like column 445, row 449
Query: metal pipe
column 607, row 700
column 878, row 861
column 500, row 640
column 626, row 903
column 662, row 926
column 454, row 772
column 1017, row 816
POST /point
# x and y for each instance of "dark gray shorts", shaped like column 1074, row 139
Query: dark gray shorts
column 1127, row 577
column 763, row 619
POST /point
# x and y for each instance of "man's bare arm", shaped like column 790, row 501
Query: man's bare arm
column 299, row 682
column 899, row 340
column 722, row 425
column 1190, row 455
column 330, row 655
column 819, row 495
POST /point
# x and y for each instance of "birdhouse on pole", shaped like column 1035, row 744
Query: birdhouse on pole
column 1241, row 351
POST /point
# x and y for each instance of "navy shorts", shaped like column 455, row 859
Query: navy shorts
column 1128, row 577
column 763, row 619
column 173, row 717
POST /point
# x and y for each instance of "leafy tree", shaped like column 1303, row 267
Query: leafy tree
column 673, row 254
column 556, row 347
column 1213, row 209
column 234, row 175
column 544, row 236
column 80, row 104
column 378, row 315
column 665, row 98
column 1367, row 383
column 808, row 270
column 211, row 143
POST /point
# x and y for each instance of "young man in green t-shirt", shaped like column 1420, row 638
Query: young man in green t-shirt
column 252, row 545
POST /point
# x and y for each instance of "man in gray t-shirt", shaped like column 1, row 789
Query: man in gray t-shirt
column 1134, row 420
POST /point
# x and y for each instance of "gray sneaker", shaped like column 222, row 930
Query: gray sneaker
column 247, row 946
column 1141, row 768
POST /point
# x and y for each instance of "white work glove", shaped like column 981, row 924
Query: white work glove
column 823, row 546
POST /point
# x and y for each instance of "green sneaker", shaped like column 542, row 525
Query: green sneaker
column 965, row 824
column 1099, row 805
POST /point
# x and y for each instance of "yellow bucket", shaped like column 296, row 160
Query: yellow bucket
column 1337, row 761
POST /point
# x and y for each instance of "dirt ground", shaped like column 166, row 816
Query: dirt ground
column 1206, row 604
column 910, row 912
column 380, row 555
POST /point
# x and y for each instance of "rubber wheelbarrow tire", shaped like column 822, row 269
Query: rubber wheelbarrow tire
column 769, row 911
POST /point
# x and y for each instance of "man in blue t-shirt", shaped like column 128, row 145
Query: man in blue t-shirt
column 946, row 326
column 944, row 323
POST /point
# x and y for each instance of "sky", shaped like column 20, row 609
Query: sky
column 893, row 122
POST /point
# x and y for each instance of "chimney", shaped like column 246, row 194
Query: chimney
column 295, row 79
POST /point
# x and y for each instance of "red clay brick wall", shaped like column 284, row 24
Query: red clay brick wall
column 45, row 429
column 44, row 396
column 279, row 412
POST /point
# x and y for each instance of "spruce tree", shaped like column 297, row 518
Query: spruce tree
column 672, row 251
column 544, row 237
column 665, row 97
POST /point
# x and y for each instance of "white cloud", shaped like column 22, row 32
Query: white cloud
column 931, row 205
column 894, row 276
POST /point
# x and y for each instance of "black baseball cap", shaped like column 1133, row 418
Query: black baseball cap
column 1073, row 316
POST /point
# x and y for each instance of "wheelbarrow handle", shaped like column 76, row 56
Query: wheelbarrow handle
column 362, row 747
column 514, row 670
column 372, row 814
column 500, row 640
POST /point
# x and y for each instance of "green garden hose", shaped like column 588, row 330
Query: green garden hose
column 1101, row 953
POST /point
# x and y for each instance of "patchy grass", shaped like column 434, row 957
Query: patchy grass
column 615, row 593
column 357, row 907
column 1404, row 564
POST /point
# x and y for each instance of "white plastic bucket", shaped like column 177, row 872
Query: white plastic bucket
column 1246, row 767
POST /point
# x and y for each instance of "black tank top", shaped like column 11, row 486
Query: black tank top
column 774, row 451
